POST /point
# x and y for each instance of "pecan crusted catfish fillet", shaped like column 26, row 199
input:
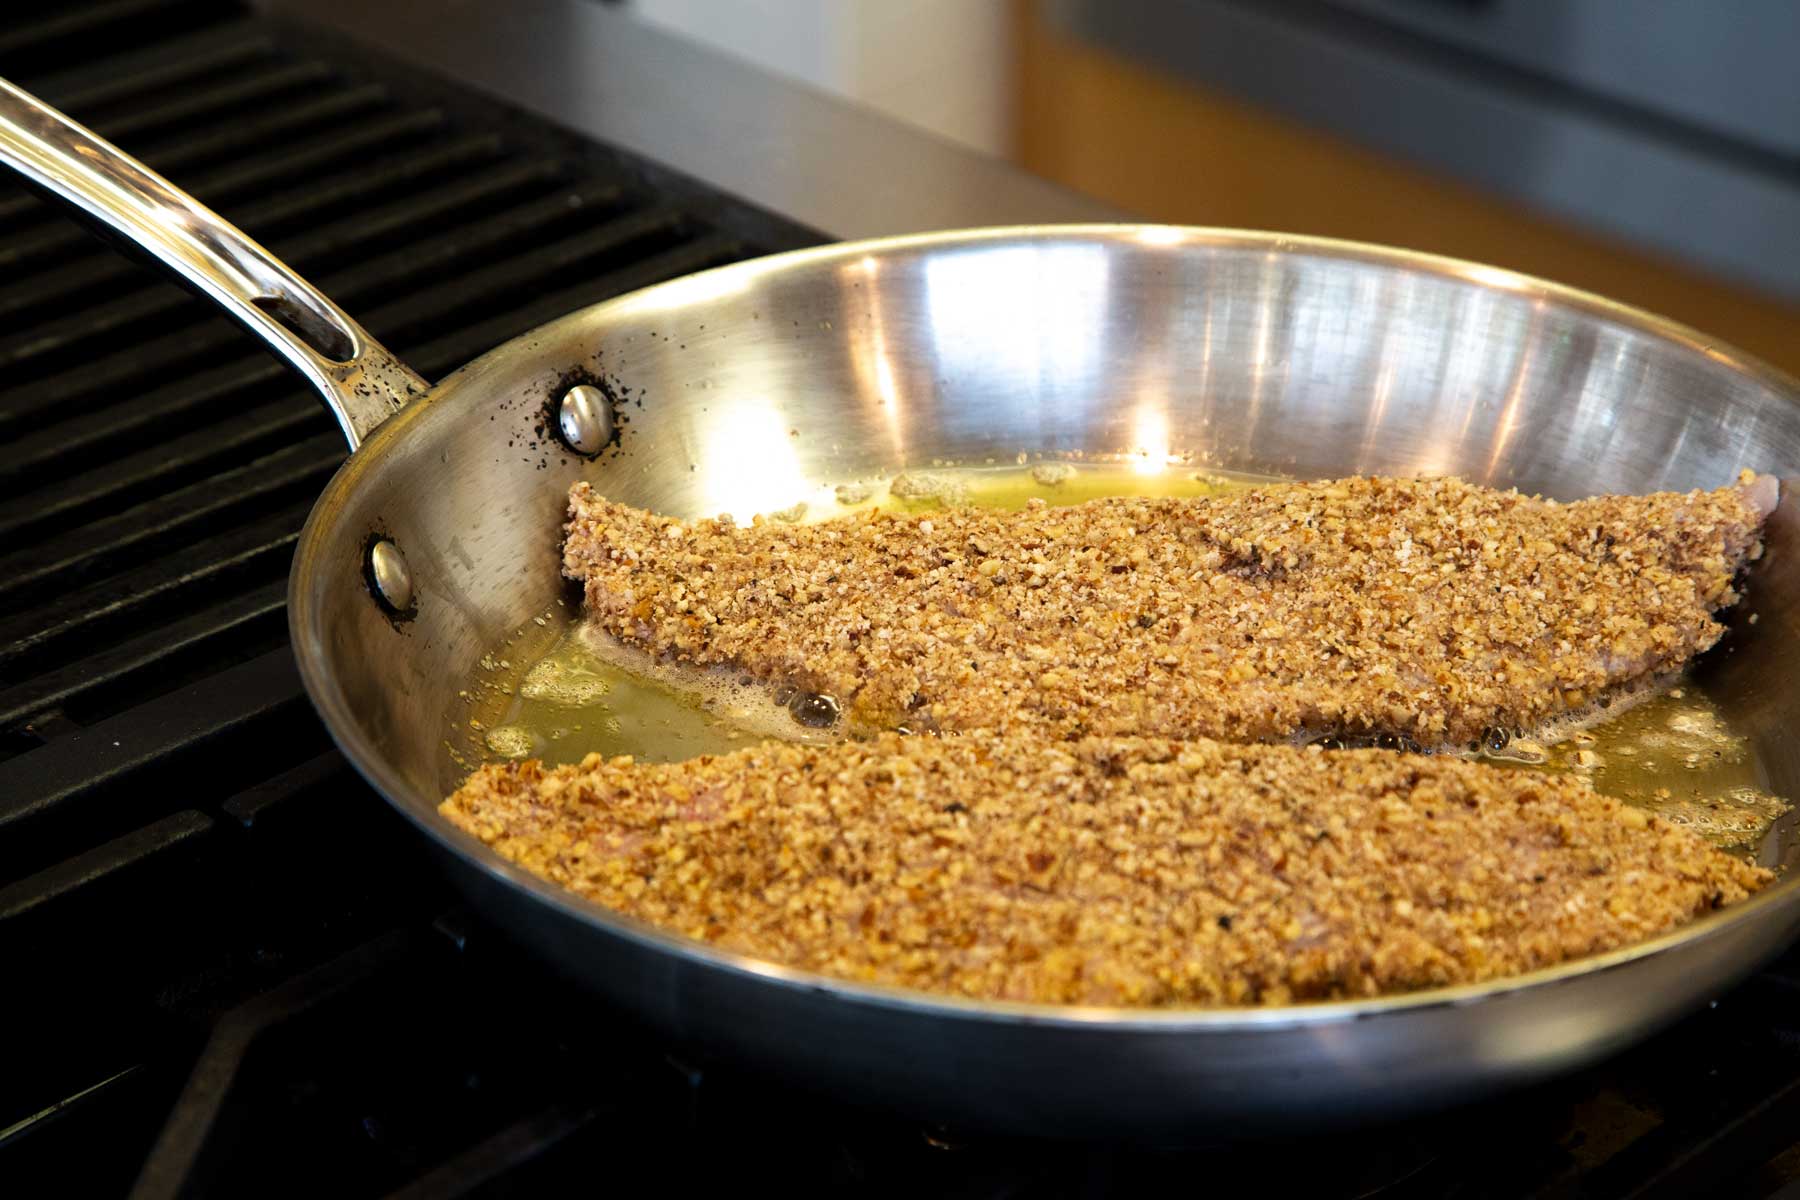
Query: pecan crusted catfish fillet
column 1427, row 609
column 1109, row 870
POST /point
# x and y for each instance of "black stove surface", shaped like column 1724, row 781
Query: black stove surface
column 228, row 969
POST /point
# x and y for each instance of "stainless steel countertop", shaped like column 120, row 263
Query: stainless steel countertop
column 818, row 160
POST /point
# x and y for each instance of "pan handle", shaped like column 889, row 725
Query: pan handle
column 361, row 383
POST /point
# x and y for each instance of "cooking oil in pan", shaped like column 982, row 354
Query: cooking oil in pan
column 562, row 690
column 585, row 693
column 1672, row 753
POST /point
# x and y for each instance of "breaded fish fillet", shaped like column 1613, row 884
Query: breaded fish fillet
column 1109, row 870
column 1431, row 610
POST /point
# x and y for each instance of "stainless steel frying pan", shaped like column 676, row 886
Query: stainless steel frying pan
column 747, row 385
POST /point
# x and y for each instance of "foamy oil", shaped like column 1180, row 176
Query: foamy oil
column 560, row 689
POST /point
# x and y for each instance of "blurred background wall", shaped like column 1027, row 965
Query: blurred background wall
column 1645, row 149
column 945, row 65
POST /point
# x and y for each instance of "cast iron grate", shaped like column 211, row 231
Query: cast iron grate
column 229, row 970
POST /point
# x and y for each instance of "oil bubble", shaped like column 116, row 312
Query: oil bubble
column 511, row 741
column 815, row 710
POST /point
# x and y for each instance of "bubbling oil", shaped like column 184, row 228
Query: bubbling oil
column 562, row 689
column 1674, row 753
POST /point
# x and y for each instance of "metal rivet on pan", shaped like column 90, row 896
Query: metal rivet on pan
column 586, row 419
column 389, row 575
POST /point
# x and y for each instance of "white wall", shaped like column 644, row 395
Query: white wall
column 940, row 64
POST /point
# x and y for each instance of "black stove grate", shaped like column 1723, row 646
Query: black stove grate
column 229, row 970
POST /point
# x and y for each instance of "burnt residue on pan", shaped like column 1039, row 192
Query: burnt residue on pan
column 547, row 426
column 540, row 441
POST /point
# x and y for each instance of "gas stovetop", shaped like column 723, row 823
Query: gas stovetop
column 229, row 970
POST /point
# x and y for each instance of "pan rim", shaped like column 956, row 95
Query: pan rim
column 328, row 700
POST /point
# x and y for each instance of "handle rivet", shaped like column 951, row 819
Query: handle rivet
column 586, row 419
column 389, row 576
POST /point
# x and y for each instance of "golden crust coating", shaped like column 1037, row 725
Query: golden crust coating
column 1428, row 609
column 1109, row 870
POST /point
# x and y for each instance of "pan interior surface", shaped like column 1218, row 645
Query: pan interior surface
column 743, row 389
